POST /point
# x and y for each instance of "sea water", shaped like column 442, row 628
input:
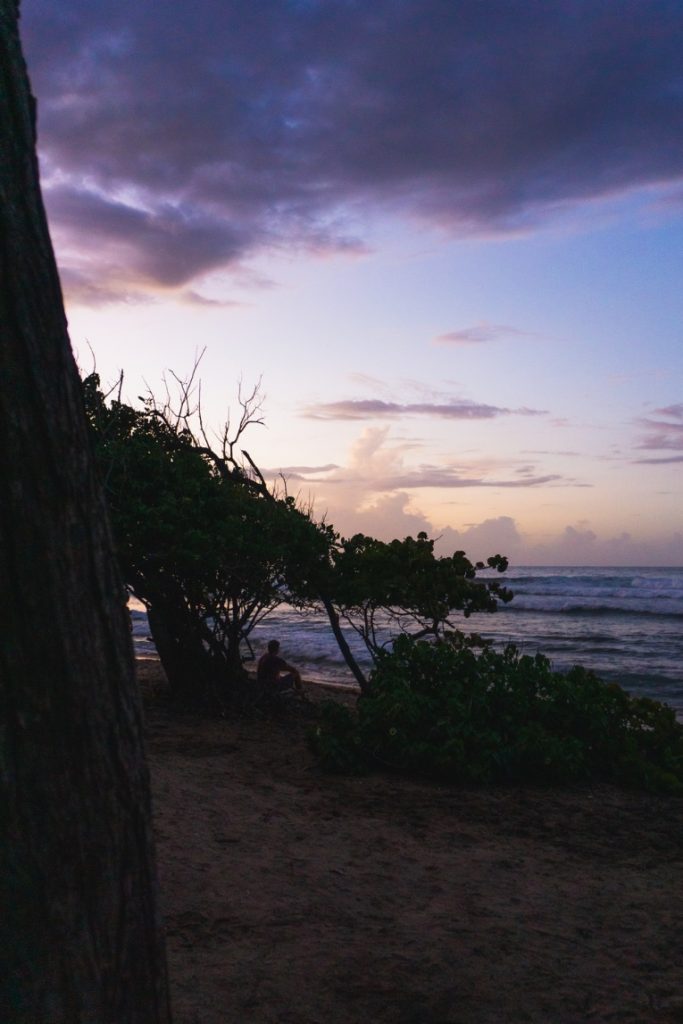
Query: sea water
column 625, row 624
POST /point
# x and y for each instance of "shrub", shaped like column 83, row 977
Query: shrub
column 454, row 709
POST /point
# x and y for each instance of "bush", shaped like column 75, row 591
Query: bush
column 456, row 710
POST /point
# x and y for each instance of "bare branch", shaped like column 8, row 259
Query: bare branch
column 116, row 386
column 260, row 481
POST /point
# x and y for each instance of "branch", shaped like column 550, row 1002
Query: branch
column 260, row 482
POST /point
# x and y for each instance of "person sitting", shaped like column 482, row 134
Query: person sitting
column 274, row 673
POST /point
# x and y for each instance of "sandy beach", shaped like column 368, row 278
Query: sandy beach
column 291, row 897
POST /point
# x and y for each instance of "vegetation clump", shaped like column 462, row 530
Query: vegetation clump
column 384, row 590
column 211, row 550
column 454, row 709
column 200, row 540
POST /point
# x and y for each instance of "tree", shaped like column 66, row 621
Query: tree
column 201, row 540
column 211, row 550
column 383, row 590
column 80, row 939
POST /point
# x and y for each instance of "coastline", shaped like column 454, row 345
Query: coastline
column 623, row 623
column 299, row 898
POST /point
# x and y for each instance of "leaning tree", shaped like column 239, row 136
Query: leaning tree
column 201, row 540
column 211, row 550
column 80, row 939
column 381, row 590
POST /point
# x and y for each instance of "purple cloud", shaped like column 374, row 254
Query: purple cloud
column 374, row 408
column 673, row 411
column 546, row 451
column 196, row 135
column 164, row 242
column 663, row 431
column 663, row 461
column 449, row 478
column 479, row 334
column 299, row 472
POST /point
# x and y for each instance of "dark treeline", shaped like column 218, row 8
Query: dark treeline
column 211, row 550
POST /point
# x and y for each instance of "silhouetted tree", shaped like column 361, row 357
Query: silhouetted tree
column 201, row 540
column 79, row 933
column 211, row 550
column 382, row 590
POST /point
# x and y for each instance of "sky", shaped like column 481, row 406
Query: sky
column 447, row 239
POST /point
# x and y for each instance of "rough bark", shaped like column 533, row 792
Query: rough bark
column 79, row 932
column 192, row 676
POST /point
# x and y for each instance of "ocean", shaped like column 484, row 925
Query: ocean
column 625, row 624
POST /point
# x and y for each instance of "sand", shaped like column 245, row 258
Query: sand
column 298, row 898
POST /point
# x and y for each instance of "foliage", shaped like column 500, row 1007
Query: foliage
column 454, row 709
column 384, row 590
column 211, row 551
column 207, row 549
column 400, row 586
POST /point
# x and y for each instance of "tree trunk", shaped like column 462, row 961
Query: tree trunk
column 346, row 651
column 80, row 939
column 192, row 674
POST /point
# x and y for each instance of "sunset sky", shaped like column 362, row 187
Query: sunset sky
column 447, row 236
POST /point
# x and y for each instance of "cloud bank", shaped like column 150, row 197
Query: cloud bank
column 377, row 466
column 183, row 139
column 377, row 492
column 575, row 544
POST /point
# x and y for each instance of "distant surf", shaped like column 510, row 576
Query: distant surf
column 625, row 624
